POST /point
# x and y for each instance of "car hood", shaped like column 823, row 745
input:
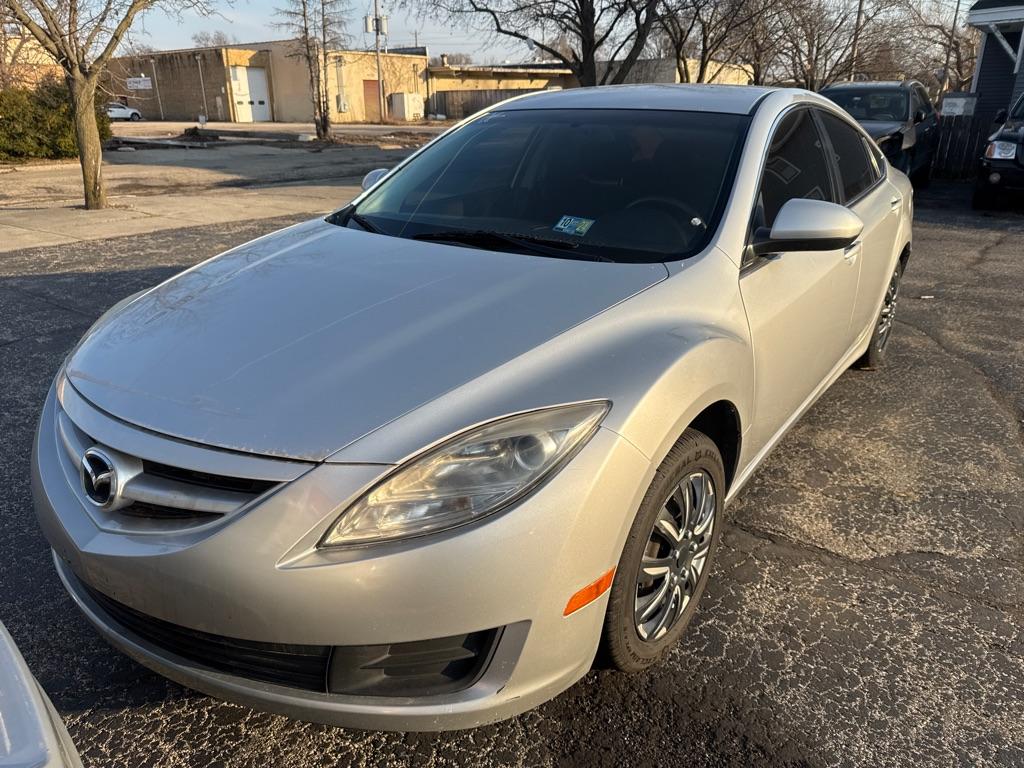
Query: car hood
column 299, row 343
column 879, row 129
column 1011, row 130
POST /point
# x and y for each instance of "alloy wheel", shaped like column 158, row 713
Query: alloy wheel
column 675, row 557
column 888, row 314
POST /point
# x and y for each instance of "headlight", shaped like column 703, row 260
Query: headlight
column 1001, row 150
column 475, row 474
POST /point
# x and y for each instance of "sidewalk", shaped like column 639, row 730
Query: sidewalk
column 158, row 128
column 58, row 223
column 154, row 189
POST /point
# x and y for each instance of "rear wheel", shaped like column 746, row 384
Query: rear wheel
column 875, row 355
column 667, row 557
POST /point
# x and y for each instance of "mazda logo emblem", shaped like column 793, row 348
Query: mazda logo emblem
column 99, row 477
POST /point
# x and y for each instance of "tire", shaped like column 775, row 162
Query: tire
column 135, row 117
column 923, row 177
column 983, row 199
column 875, row 355
column 622, row 645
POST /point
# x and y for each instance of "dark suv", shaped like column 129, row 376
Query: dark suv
column 1001, row 171
column 900, row 118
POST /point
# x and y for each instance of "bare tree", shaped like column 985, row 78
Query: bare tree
column 760, row 41
column 589, row 32
column 704, row 35
column 22, row 61
column 318, row 28
column 817, row 41
column 933, row 36
column 82, row 36
column 213, row 39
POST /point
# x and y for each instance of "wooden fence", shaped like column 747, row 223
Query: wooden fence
column 961, row 142
column 456, row 105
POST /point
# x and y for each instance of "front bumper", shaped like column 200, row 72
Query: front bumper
column 258, row 577
column 1005, row 175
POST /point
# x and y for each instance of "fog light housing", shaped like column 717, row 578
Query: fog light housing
column 994, row 178
column 421, row 668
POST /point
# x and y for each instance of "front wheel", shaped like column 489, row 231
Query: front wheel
column 875, row 355
column 984, row 198
column 135, row 117
column 667, row 557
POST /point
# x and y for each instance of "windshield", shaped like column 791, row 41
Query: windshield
column 864, row 104
column 1017, row 113
column 611, row 185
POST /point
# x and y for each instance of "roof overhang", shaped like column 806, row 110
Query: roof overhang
column 498, row 72
column 1004, row 16
column 996, row 31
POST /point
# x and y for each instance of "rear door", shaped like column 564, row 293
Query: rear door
column 798, row 304
column 864, row 191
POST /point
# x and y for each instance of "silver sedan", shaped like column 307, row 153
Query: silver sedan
column 416, row 464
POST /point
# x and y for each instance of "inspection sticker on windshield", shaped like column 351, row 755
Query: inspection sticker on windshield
column 573, row 225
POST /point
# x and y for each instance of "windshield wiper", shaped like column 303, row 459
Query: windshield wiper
column 483, row 238
column 363, row 222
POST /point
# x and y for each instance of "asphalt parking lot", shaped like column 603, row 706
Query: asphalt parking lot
column 867, row 607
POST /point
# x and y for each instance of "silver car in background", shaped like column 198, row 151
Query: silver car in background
column 413, row 466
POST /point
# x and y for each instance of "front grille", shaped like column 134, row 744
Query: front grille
column 206, row 480
column 168, row 497
column 296, row 666
column 160, row 512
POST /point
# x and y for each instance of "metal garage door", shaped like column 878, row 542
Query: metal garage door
column 252, row 97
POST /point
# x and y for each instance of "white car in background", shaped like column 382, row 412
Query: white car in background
column 118, row 111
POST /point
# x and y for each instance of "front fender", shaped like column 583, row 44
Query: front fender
column 660, row 357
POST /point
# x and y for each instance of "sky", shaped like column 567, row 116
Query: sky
column 253, row 20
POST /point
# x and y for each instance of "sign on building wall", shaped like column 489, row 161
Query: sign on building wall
column 140, row 83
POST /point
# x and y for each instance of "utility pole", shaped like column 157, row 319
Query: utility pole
column 202, row 86
column 949, row 48
column 856, row 40
column 156, row 85
column 379, row 26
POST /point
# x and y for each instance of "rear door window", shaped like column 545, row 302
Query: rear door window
column 856, row 173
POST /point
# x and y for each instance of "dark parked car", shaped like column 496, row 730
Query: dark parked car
column 900, row 118
column 1001, row 172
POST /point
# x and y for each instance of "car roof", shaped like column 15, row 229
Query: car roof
column 868, row 84
column 729, row 99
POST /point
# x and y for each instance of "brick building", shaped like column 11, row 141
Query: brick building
column 260, row 82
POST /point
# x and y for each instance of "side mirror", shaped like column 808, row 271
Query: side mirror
column 1001, row 116
column 919, row 116
column 808, row 225
column 373, row 177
